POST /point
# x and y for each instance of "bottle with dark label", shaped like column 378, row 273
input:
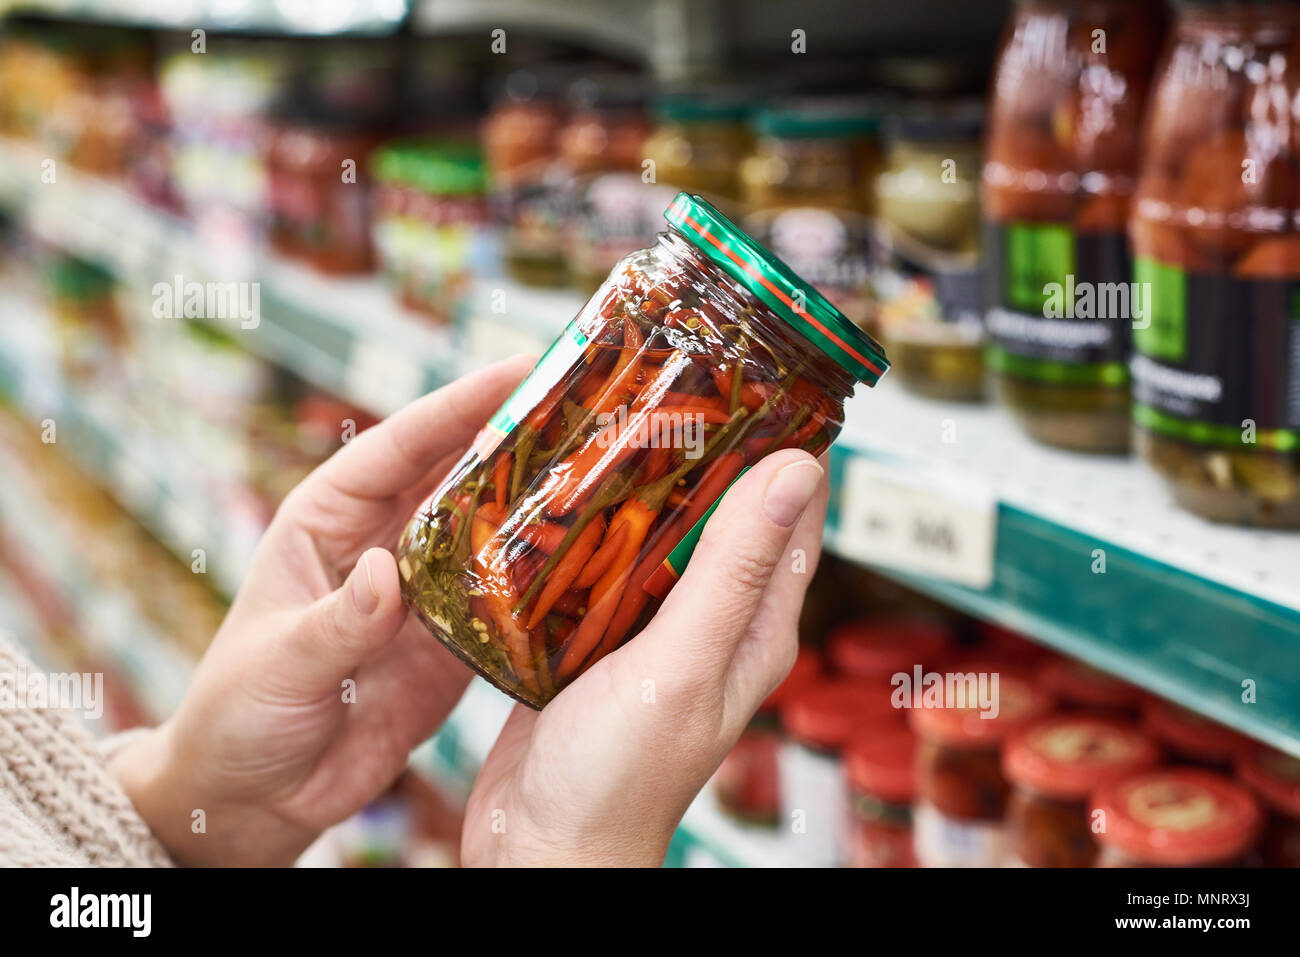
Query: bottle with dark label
column 1068, row 93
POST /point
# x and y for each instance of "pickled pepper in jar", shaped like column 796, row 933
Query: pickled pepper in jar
column 555, row 538
column 1216, row 375
column 1059, row 172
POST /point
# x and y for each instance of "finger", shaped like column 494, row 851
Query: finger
column 767, row 652
column 700, row 626
column 390, row 457
column 335, row 634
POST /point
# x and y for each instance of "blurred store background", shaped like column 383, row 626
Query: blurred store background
column 234, row 234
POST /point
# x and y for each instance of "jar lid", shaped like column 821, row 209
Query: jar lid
column 827, row 117
column 807, row 668
column 1177, row 816
column 961, row 721
column 1273, row 776
column 1070, row 756
column 775, row 283
column 441, row 168
column 701, row 106
column 883, row 648
column 1191, row 736
column 882, row 763
column 1003, row 642
column 827, row 713
column 1073, row 682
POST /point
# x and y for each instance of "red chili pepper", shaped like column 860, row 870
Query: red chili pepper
column 572, row 603
column 498, row 598
column 567, row 569
column 501, row 480
column 599, row 562
column 543, row 535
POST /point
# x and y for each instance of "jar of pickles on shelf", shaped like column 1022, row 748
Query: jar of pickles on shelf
column 1217, row 369
column 930, row 308
column 612, row 207
column 1059, row 173
column 807, row 190
column 556, row 537
column 527, row 185
column 1054, row 766
column 1175, row 817
column 698, row 143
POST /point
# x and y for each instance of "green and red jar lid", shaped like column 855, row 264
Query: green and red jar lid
column 727, row 246
column 1071, row 756
column 1177, row 816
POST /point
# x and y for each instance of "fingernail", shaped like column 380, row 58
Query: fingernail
column 364, row 595
column 790, row 491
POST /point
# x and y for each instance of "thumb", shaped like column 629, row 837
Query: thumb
column 700, row 626
column 339, row 631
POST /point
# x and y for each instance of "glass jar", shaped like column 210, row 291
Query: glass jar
column 698, row 144
column 961, row 792
column 1217, row 375
column 612, row 211
column 806, row 190
column 1191, row 739
column 521, row 144
column 873, row 651
column 561, row 530
column 747, row 784
column 1058, row 176
column 90, row 327
column 881, row 769
column 318, row 213
column 1175, row 817
column 1077, row 687
column 1274, row 778
column 928, row 283
column 819, row 721
column 432, row 226
column 1054, row 766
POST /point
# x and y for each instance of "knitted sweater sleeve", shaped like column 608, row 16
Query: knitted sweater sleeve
column 59, row 805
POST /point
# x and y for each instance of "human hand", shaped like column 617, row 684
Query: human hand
column 603, row 775
column 264, row 742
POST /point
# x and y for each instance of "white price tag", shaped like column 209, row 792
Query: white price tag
column 380, row 378
column 918, row 521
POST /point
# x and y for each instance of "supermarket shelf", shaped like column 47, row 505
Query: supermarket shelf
column 141, row 473
column 294, row 17
column 1186, row 609
column 110, row 621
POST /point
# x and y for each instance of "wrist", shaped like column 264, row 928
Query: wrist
column 197, row 827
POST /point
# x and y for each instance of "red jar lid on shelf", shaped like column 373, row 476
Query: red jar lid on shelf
column 1071, row 756
column 826, row 714
column 963, row 723
column 807, row 668
column 882, row 763
column 872, row 649
column 1178, row 816
column 1074, row 683
column 1273, row 776
column 1190, row 736
column 1005, row 643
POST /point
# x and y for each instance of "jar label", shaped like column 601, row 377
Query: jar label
column 551, row 368
column 832, row 249
column 614, row 214
column 1059, row 304
column 815, row 805
column 943, row 841
column 1219, row 362
column 917, row 284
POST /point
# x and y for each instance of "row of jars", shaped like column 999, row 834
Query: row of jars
column 1076, row 768
column 1139, row 249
